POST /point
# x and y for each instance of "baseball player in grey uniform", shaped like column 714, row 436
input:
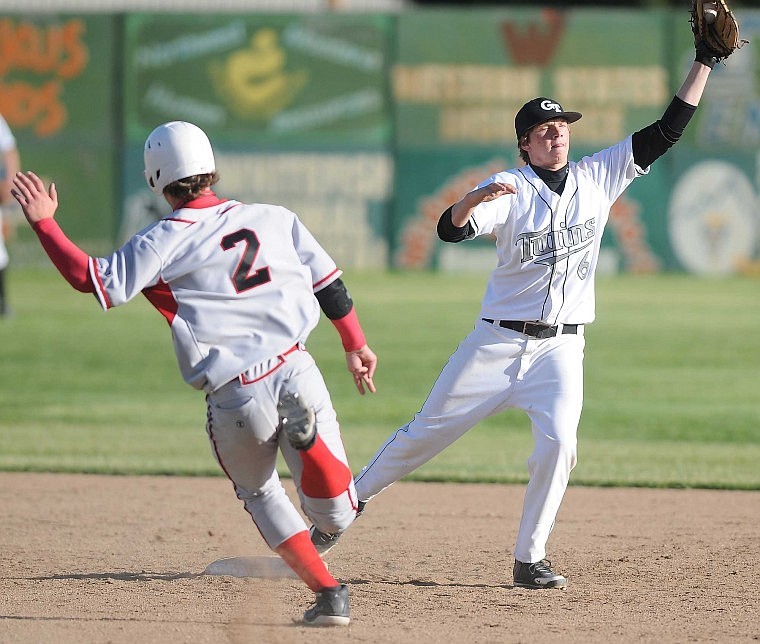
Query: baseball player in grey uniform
column 241, row 286
column 526, row 349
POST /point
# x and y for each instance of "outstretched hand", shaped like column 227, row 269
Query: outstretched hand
column 461, row 210
column 361, row 363
column 494, row 191
column 37, row 203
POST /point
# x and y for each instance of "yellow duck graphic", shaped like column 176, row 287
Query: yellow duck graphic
column 254, row 81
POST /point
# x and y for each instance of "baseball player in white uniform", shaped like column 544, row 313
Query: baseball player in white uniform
column 241, row 286
column 526, row 349
column 9, row 165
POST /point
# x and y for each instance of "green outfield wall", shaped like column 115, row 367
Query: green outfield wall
column 370, row 125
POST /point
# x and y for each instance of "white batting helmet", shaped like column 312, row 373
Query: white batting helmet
column 176, row 150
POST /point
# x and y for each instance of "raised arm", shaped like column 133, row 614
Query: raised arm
column 39, row 206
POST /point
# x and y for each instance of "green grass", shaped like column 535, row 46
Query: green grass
column 672, row 394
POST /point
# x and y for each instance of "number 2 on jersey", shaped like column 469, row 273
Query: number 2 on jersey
column 243, row 278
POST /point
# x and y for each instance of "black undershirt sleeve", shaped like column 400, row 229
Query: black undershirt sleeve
column 448, row 232
column 651, row 142
column 335, row 300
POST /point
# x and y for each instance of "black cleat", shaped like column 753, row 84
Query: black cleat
column 323, row 541
column 331, row 608
column 537, row 575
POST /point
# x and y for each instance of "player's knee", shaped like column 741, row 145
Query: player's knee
column 556, row 453
column 566, row 452
column 331, row 516
column 572, row 455
column 334, row 523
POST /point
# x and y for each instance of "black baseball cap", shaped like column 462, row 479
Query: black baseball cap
column 538, row 111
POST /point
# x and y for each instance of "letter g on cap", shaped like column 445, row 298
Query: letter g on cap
column 551, row 105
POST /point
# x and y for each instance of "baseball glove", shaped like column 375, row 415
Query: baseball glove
column 716, row 30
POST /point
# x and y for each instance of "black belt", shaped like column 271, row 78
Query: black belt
column 534, row 329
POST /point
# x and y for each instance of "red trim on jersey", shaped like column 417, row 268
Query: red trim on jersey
column 244, row 380
column 161, row 297
column 230, row 207
column 70, row 260
column 324, row 279
column 181, row 221
column 101, row 288
column 205, row 200
column 350, row 331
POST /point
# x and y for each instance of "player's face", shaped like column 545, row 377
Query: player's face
column 548, row 144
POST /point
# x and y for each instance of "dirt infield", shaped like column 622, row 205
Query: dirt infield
column 120, row 560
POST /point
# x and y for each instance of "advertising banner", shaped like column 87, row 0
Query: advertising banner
column 295, row 105
column 368, row 125
column 57, row 95
column 456, row 96
column 713, row 218
column 260, row 80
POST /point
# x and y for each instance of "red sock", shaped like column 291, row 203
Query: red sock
column 324, row 476
column 299, row 553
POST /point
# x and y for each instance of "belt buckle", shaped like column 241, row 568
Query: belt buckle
column 539, row 330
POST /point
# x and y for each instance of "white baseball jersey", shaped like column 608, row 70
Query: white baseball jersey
column 547, row 244
column 235, row 281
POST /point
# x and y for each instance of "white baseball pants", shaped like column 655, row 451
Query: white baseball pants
column 494, row 369
column 243, row 431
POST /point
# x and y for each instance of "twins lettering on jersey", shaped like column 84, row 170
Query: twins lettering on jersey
column 548, row 246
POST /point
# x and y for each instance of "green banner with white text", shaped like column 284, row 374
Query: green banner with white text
column 295, row 105
column 369, row 125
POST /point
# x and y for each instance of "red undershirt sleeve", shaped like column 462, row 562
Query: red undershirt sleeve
column 350, row 331
column 70, row 260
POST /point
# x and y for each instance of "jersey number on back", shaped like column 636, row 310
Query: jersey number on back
column 243, row 278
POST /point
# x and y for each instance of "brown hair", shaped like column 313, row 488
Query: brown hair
column 523, row 153
column 191, row 187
